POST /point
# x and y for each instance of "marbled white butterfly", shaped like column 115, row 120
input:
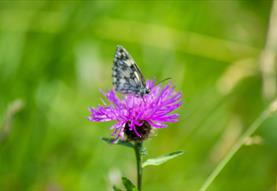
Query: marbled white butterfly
column 127, row 78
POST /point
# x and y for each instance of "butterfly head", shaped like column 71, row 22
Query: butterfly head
column 144, row 91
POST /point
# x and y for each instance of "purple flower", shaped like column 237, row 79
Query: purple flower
column 135, row 115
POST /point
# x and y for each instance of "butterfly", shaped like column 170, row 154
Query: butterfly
column 127, row 77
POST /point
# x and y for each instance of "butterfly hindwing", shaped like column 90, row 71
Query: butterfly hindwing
column 127, row 78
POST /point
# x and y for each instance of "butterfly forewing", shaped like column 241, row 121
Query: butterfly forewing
column 127, row 78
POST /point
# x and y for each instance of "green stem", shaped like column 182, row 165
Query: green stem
column 138, row 148
column 235, row 148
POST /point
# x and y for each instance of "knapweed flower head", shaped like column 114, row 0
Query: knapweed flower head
column 135, row 115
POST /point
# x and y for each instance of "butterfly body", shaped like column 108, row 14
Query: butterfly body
column 127, row 77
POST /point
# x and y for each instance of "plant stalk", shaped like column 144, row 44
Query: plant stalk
column 255, row 125
column 138, row 148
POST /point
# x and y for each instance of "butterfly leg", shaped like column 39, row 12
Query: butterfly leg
column 143, row 100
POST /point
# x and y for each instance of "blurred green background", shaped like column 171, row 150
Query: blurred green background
column 55, row 56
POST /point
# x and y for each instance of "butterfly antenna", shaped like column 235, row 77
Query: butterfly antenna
column 162, row 81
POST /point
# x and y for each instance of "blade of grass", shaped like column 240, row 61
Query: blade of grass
column 15, row 107
column 170, row 38
column 267, row 61
column 264, row 115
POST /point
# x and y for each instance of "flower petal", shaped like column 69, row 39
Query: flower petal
column 156, row 108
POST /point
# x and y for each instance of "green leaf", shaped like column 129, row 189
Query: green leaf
column 162, row 159
column 116, row 189
column 128, row 184
column 119, row 142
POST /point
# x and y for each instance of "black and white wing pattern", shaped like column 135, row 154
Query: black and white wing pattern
column 127, row 78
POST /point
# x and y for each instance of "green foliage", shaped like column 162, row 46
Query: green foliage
column 128, row 184
column 116, row 189
column 118, row 142
column 162, row 159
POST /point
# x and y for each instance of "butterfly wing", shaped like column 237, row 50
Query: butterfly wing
column 127, row 78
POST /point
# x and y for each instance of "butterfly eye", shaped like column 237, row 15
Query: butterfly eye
column 147, row 91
